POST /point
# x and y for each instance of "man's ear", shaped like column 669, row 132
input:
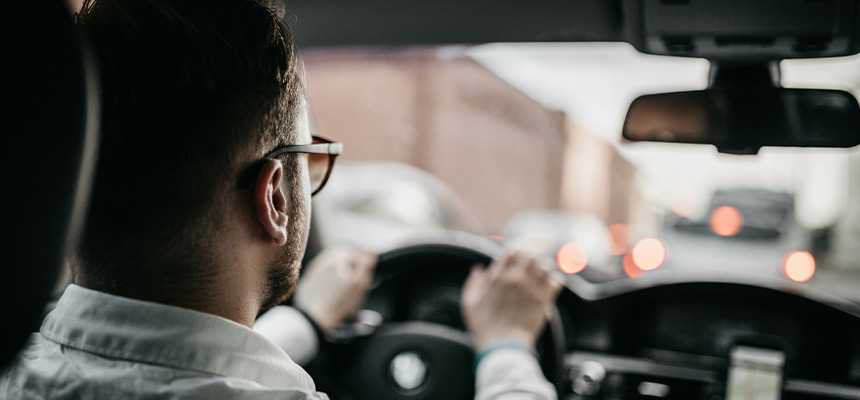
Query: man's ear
column 270, row 201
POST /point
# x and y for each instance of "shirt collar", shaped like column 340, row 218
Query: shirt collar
column 135, row 330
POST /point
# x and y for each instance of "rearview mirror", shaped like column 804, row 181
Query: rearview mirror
column 742, row 120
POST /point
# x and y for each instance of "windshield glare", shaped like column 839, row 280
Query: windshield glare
column 520, row 143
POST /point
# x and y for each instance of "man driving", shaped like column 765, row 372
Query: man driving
column 199, row 219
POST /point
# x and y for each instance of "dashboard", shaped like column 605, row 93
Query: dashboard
column 695, row 340
column 684, row 340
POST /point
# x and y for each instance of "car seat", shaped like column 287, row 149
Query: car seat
column 50, row 112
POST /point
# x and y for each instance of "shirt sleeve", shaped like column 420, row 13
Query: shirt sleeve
column 511, row 374
column 291, row 331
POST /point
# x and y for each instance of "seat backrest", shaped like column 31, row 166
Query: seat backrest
column 49, row 114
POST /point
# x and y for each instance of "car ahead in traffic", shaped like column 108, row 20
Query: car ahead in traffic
column 528, row 124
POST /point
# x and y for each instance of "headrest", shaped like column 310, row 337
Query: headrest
column 50, row 112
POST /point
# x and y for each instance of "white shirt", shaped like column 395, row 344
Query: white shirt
column 291, row 331
column 99, row 346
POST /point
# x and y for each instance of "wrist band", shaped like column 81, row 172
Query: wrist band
column 502, row 344
column 321, row 338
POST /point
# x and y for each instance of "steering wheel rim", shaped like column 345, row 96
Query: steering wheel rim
column 411, row 338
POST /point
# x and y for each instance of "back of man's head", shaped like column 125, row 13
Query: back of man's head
column 194, row 92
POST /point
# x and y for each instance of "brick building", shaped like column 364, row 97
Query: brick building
column 494, row 146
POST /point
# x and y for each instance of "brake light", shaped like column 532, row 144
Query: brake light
column 799, row 266
column 649, row 254
column 630, row 268
column 726, row 221
column 572, row 258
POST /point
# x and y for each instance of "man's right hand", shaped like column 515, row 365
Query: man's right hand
column 509, row 299
column 335, row 285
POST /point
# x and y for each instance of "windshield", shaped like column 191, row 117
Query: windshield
column 521, row 144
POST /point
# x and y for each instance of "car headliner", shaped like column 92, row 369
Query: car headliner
column 729, row 29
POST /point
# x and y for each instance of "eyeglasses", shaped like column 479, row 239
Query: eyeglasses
column 321, row 155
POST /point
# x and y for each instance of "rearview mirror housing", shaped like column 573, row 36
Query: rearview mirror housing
column 741, row 120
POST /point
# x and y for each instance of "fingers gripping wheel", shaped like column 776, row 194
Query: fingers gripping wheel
column 423, row 351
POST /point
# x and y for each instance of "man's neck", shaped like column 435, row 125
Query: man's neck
column 232, row 301
column 227, row 302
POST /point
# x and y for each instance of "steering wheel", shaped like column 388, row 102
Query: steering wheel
column 421, row 350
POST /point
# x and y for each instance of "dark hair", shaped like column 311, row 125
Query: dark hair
column 193, row 92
